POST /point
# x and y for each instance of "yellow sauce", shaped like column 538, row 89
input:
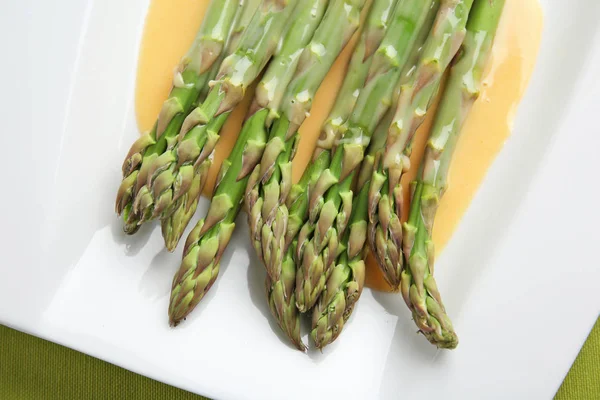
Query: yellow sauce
column 169, row 32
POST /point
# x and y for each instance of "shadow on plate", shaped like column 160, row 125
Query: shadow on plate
column 405, row 330
column 256, row 289
column 133, row 243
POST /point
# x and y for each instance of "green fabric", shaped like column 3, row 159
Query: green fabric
column 583, row 380
column 32, row 368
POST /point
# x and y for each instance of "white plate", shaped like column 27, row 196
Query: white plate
column 520, row 277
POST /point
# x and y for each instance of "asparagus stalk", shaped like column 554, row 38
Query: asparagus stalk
column 215, row 231
column 345, row 284
column 372, row 35
column 174, row 224
column 170, row 175
column 272, row 84
column 330, row 201
column 246, row 11
column 189, row 78
column 385, row 197
column 346, row 281
column 271, row 182
column 295, row 205
column 282, row 301
column 418, row 285
column 206, row 243
column 376, row 145
column 243, row 17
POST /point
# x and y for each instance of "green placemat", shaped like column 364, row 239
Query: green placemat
column 35, row 369
column 32, row 368
column 583, row 380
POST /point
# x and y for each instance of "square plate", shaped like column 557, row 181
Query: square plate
column 519, row 277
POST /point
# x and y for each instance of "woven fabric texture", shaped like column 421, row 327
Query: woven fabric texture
column 35, row 369
column 32, row 368
column 583, row 380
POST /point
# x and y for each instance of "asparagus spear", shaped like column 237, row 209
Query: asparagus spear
column 418, row 285
column 207, row 241
column 171, row 174
column 282, row 301
column 271, row 182
column 189, row 78
column 174, row 224
column 297, row 200
column 267, row 190
column 346, row 281
column 330, row 202
column 377, row 143
column 272, row 84
column 246, row 11
column 215, row 231
column 345, row 284
column 385, row 197
column 281, row 276
column 373, row 32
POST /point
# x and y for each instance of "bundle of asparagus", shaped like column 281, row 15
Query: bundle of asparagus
column 208, row 240
column 418, row 286
column 265, row 198
column 173, row 224
column 312, row 236
column 330, row 199
column 172, row 175
column 189, row 79
column 346, row 281
column 385, row 196
column 345, row 286
column 271, row 183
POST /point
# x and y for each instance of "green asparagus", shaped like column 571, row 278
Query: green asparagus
column 174, row 224
column 282, row 301
column 385, row 196
column 297, row 200
column 418, row 285
column 207, row 241
column 233, row 176
column 372, row 34
column 190, row 77
column 344, row 285
column 270, row 183
column 170, row 175
column 331, row 197
column 346, row 280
